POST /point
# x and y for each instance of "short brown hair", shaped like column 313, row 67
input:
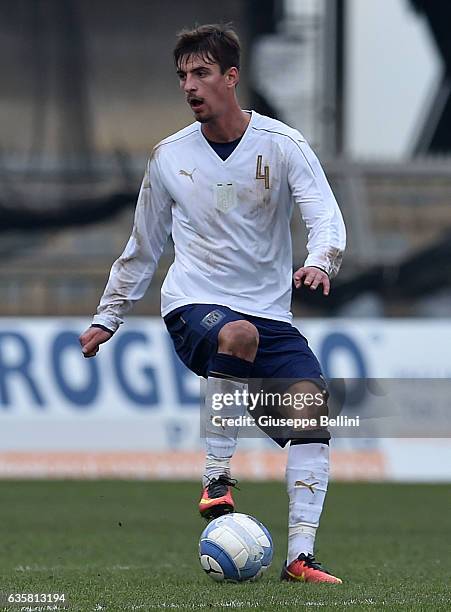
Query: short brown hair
column 215, row 43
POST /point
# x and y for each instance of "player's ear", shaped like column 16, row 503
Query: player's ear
column 232, row 76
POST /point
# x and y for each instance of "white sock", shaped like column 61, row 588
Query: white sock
column 307, row 477
column 221, row 441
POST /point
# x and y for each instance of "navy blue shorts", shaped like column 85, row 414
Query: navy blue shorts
column 283, row 352
column 283, row 356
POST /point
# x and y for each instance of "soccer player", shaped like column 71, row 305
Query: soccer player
column 225, row 187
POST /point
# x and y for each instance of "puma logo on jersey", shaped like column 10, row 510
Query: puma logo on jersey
column 190, row 174
column 301, row 483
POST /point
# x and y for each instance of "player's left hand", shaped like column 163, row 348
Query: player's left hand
column 313, row 278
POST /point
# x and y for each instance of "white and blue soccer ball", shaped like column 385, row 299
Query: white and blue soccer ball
column 235, row 547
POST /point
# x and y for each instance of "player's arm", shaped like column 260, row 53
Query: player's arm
column 132, row 272
column 322, row 216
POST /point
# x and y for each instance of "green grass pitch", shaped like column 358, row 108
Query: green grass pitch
column 119, row 546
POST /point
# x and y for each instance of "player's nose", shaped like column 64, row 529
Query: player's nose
column 189, row 84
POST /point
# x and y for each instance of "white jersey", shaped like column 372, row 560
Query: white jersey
column 230, row 223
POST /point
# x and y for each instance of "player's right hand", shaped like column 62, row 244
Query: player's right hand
column 312, row 277
column 91, row 339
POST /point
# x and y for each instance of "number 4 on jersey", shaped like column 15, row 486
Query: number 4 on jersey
column 259, row 175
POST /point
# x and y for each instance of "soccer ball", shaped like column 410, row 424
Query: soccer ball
column 235, row 547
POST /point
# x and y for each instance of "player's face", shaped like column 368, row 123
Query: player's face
column 206, row 89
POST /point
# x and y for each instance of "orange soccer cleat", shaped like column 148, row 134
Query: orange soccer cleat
column 217, row 498
column 306, row 569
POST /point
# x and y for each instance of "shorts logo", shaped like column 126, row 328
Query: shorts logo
column 212, row 319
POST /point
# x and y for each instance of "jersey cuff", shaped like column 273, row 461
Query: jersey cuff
column 110, row 331
column 110, row 323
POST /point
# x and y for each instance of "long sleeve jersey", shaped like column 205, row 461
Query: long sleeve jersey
column 230, row 223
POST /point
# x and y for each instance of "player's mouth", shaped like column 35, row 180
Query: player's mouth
column 195, row 103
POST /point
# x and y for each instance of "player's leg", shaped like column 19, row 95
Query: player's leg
column 220, row 345
column 307, row 477
column 229, row 370
column 285, row 360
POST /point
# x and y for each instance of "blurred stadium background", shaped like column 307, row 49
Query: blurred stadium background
column 87, row 89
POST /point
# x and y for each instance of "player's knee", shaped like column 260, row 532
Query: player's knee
column 239, row 338
column 308, row 399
